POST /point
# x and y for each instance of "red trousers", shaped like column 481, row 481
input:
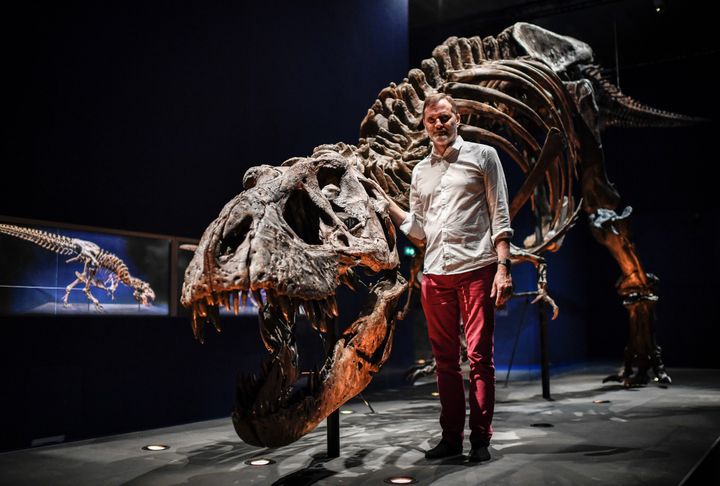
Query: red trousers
column 446, row 299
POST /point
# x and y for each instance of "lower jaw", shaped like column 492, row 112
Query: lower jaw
column 344, row 382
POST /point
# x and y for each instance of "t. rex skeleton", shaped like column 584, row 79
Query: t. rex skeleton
column 94, row 260
column 298, row 230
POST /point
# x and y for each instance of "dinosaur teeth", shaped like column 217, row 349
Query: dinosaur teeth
column 214, row 314
column 296, row 306
column 325, row 323
column 202, row 309
column 332, row 306
column 271, row 298
column 273, row 384
column 347, row 280
column 320, row 307
column 286, row 308
column 317, row 309
column 309, row 311
column 197, row 332
column 257, row 297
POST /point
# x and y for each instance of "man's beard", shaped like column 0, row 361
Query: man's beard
column 444, row 137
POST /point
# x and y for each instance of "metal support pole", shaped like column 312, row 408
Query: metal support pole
column 544, row 358
column 333, row 434
column 333, row 420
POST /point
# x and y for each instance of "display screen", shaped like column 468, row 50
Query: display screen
column 50, row 270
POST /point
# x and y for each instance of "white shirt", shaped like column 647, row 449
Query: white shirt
column 459, row 206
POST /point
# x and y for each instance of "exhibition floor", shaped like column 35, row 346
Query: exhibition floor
column 590, row 433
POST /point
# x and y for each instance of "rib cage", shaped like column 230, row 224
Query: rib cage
column 506, row 101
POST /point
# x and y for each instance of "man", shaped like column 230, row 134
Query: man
column 459, row 207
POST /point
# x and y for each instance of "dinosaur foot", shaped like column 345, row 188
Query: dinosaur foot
column 661, row 377
column 641, row 378
column 638, row 379
column 614, row 377
column 421, row 371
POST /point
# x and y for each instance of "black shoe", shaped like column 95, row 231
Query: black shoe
column 443, row 449
column 479, row 454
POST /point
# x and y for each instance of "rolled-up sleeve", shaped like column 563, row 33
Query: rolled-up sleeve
column 413, row 223
column 497, row 197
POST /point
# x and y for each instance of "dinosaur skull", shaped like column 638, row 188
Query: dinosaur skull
column 290, row 239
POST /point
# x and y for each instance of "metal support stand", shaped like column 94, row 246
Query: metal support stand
column 544, row 358
column 517, row 338
column 333, row 420
column 333, row 434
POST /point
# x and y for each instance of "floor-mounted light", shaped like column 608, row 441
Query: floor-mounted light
column 156, row 447
column 401, row 480
column 435, row 394
column 260, row 461
column 346, row 412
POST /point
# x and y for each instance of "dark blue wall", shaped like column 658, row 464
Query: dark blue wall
column 144, row 116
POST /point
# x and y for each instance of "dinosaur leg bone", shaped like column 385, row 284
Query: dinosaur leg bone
column 89, row 282
column 638, row 290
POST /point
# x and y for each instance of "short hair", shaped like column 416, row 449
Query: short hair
column 436, row 98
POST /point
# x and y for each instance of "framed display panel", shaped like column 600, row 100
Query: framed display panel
column 36, row 273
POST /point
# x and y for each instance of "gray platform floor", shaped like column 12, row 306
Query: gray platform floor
column 649, row 435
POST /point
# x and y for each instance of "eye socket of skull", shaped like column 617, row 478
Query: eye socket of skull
column 329, row 175
column 303, row 217
column 329, row 180
column 234, row 236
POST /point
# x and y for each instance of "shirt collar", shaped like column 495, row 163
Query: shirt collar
column 455, row 147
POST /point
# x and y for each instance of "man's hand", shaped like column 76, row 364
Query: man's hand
column 397, row 215
column 502, row 288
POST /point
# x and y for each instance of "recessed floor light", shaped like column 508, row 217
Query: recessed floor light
column 435, row 394
column 542, row 425
column 601, row 401
column 260, row 461
column 156, row 447
column 401, row 480
column 346, row 412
